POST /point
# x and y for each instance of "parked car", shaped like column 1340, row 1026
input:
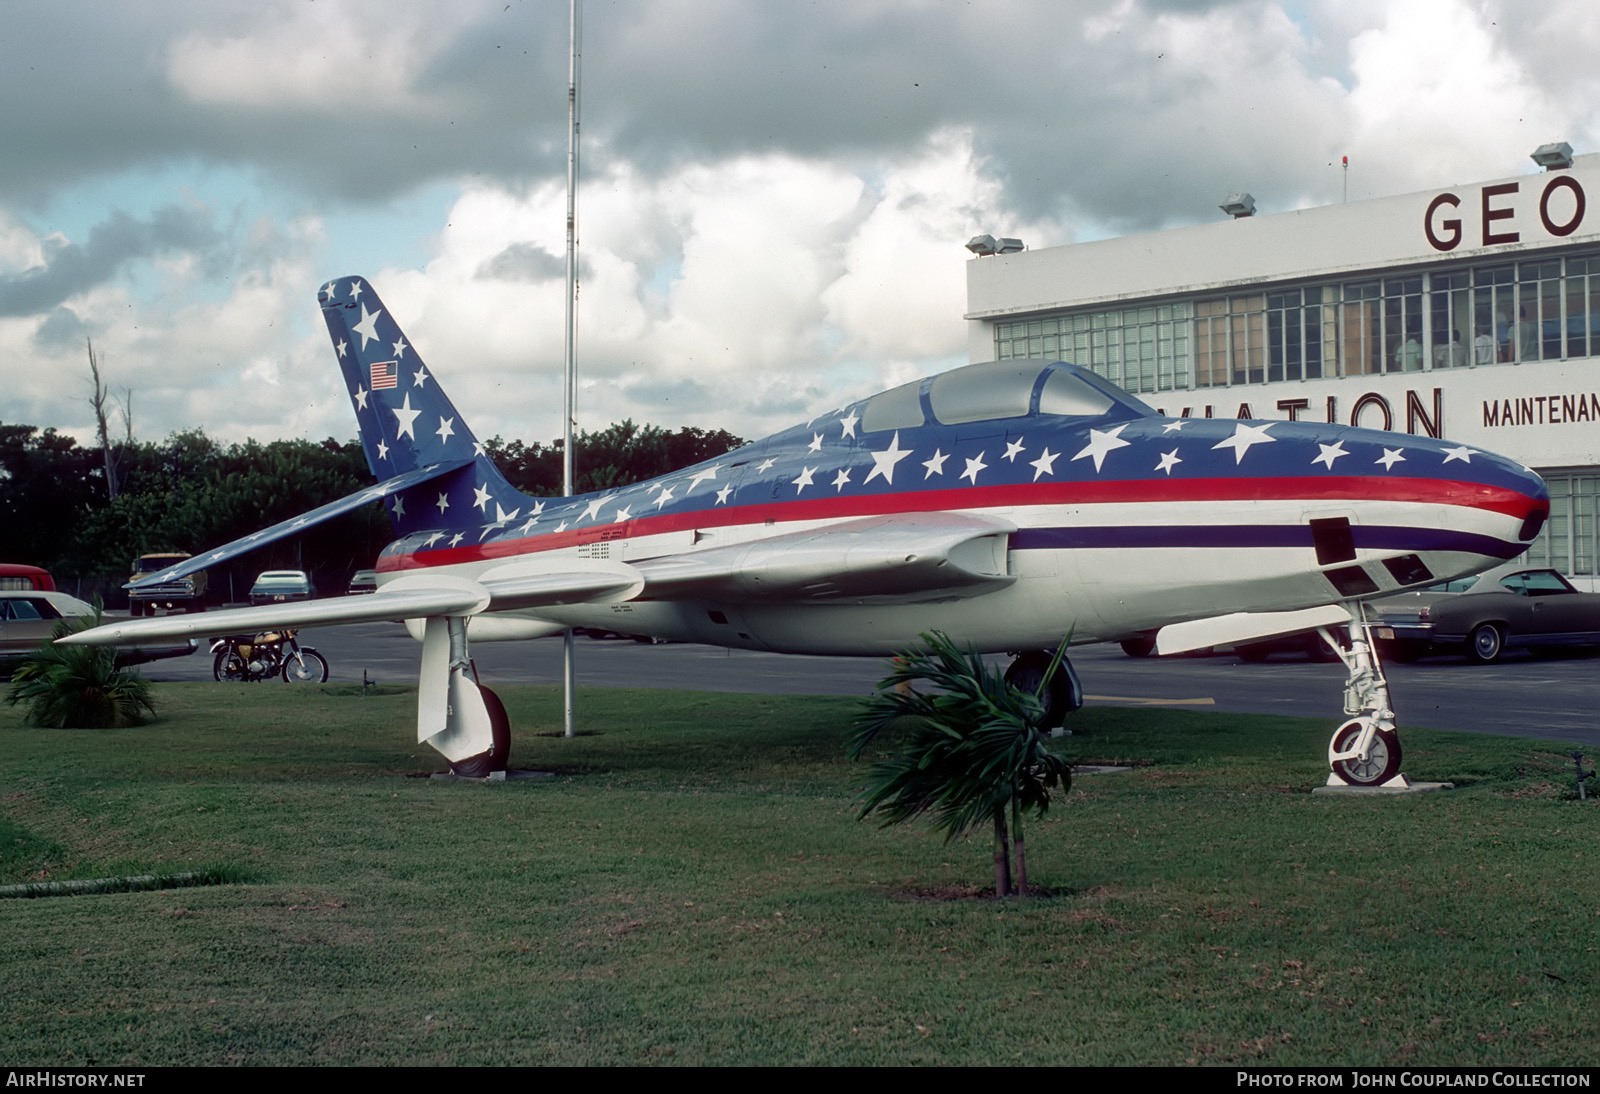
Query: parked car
column 28, row 617
column 1504, row 608
column 187, row 594
column 276, row 586
column 364, row 581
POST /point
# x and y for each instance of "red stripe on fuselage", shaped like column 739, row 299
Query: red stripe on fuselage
column 1348, row 488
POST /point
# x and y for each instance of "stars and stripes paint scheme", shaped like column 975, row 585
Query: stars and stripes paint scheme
column 1006, row 504
column 1051, row 501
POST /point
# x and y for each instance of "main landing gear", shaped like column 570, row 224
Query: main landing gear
column 1365, row 750
column 1065, row 694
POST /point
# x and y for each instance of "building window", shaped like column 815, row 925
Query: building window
column 1139, row 349
column 1570, row 536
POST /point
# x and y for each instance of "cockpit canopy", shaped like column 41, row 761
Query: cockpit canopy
column 996, row 390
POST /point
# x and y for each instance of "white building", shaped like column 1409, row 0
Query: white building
column 1470, row 312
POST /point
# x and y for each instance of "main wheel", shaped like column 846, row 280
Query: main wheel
column 227, row 668
column 1486, row 644
column 1383, row 756
column 1142, row 645
column 485, row 763
column 306, row 667
column 1027, row 672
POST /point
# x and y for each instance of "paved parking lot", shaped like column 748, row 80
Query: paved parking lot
column 1520, row 695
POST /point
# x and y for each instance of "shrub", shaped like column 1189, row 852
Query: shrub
column 80, row 687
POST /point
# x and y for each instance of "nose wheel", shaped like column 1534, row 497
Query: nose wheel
column 1365, row 750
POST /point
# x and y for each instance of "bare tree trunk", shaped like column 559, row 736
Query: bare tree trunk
column 1002, row 856
column 1022, row 850
column 98, row 401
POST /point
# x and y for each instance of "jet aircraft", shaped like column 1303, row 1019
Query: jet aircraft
column 1006, row 503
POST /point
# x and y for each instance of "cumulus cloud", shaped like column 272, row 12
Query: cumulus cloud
column 774, row 195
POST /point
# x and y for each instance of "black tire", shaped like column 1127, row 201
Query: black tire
column 227, row 667
column 1254, row 652
column 1142, row 645
column 1383, row 760
column 1026, row 673
column 310, row 667
column 484, row 764
column 1486, row 643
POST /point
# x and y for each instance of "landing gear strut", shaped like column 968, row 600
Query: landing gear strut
column 1364, row 751
column 464, row 721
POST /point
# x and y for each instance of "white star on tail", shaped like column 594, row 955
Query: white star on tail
column 503, row 517
column 446, row 430
column 623, row 513
column 400, row 348
column 841, row 480
column 1102, row 442
column 722, row 495
column 1329, row 453
column 849, row 424
column 805, row 478
column 883, row 462
column 1169, row 460
column 407, row 418
column 361, row 397
column 443, row 503
column 664, row 497
column 1243, row 437
column 816, row 443
column 399, row 507
column 1460, row 452
column 383, row 450
column 1173, row 426
column 480, row 498
column 1045, row 464
column 1390, row 457
column 368, row 327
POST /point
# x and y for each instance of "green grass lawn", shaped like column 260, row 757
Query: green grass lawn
column 693, row 887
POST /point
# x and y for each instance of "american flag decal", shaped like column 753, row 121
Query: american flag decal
column 385, row 374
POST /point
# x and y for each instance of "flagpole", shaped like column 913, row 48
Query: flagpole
column 568, row 671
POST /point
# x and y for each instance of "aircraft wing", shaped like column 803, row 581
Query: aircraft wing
column 300, row 523
column 897, row 558
column 414, row 596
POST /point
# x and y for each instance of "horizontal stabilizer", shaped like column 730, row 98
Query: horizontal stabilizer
column 406, row 598
column 301, row 523
column 1230, row 630
column 900, row 558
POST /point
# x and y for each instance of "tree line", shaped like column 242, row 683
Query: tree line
column 191, row 493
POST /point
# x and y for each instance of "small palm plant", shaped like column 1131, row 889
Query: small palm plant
column 972, row 750
column 79, row 687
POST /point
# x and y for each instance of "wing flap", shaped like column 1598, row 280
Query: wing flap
column 898, row 558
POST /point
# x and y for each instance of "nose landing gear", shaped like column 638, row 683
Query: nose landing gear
column 1364, row 751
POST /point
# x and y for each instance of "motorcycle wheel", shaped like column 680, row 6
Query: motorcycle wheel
column 306, row 667
column 227, row 668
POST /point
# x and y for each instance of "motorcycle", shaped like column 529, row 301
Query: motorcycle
column 247, row 657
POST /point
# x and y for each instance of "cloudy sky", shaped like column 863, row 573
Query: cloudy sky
column 774, row 195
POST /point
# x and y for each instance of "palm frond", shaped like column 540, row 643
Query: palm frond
column 79, row 687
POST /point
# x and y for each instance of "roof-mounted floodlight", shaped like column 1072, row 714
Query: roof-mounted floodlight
column 1007, row 246
column 1553, row 157
column 982, row 245
column 1238, row 206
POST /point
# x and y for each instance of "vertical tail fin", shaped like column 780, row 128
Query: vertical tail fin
column 405, row 419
